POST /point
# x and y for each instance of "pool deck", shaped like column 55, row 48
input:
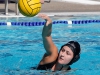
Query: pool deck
column 56, row 8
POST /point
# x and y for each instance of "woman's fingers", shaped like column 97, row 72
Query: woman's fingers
column 43, row 16
column 46, row 18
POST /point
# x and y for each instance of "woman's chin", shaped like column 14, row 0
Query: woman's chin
column 60, row 62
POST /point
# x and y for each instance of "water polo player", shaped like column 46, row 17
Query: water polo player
column 52, row 60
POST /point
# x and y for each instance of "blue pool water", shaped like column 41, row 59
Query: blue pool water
column 21, row 47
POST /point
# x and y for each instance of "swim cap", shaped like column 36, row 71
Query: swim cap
column 75, row 47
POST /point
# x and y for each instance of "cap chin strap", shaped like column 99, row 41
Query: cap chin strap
column 61, row 68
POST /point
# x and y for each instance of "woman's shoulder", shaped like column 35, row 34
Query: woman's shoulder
column 48, row 58
column 46, row 66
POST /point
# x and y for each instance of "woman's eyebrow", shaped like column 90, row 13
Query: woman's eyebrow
column 65, row 49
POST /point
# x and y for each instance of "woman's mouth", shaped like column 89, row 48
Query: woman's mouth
column 61, row 58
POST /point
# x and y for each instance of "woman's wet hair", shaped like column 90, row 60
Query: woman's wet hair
column 75, row 47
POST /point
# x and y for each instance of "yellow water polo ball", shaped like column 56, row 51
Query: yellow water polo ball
column 29, row 8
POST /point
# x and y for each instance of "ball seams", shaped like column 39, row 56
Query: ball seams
column 35, row 8
column 29, row 7
column 25, row 7
column 28, row 1
column 33, row 4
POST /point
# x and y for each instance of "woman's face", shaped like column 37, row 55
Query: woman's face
column 65, row 55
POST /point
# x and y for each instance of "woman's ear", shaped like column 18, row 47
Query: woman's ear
column 75, row 59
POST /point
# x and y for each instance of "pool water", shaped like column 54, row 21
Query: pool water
column 21, row 47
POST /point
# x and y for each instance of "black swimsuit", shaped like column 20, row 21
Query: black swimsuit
column 48, row 66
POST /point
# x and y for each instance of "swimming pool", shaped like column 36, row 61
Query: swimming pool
column 21, row 46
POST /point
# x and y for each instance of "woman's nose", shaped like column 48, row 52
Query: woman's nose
column 63, row 53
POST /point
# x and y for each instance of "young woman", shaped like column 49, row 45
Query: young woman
column 52, row 59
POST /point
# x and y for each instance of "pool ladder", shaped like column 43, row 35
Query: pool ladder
column 16, row 7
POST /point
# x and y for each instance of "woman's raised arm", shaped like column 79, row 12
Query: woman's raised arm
column 51, row 50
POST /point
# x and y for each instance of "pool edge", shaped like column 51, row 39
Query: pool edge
column 54, row 14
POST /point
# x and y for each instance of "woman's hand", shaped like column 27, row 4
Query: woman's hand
column 46, row 18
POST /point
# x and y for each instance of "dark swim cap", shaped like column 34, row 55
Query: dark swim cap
column 75, row 47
